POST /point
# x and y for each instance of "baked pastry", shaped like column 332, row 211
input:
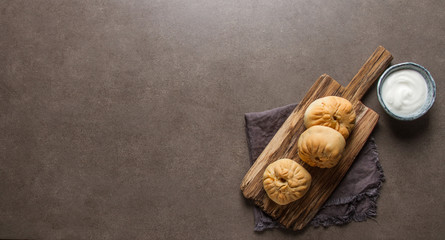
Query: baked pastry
column 286, row 181
column 321, row 146
column 334, row 112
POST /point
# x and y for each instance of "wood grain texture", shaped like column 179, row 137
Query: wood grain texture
column 368, row 74
column 284, row 145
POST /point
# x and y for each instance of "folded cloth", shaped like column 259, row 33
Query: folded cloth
column 353, row 199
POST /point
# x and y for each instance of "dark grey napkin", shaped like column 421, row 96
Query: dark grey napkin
column 353, row 199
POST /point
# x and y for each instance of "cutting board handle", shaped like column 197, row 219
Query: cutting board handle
column 368, row 74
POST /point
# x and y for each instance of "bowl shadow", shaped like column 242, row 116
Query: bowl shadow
column 408, row 129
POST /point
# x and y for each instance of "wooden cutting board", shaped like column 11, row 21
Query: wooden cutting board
column 284, row 145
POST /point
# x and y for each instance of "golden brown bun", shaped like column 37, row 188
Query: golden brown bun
column 321, row 146
column 334, row 112
column 286, row 181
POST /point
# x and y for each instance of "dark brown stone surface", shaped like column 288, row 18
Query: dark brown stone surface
column 124, row 119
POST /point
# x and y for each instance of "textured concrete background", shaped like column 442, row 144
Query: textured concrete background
column 124, row 119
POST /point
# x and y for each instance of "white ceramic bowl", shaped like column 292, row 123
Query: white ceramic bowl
column 431, row 89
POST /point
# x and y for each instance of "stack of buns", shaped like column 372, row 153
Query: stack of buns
column 329, row 122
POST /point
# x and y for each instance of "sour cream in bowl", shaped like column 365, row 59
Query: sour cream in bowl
column 406, row 91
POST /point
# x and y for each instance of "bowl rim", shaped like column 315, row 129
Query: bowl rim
column 401, row 66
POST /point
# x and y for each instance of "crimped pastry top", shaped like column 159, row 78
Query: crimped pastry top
column 321, row 146
column 286, row 181
column 334, row 112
